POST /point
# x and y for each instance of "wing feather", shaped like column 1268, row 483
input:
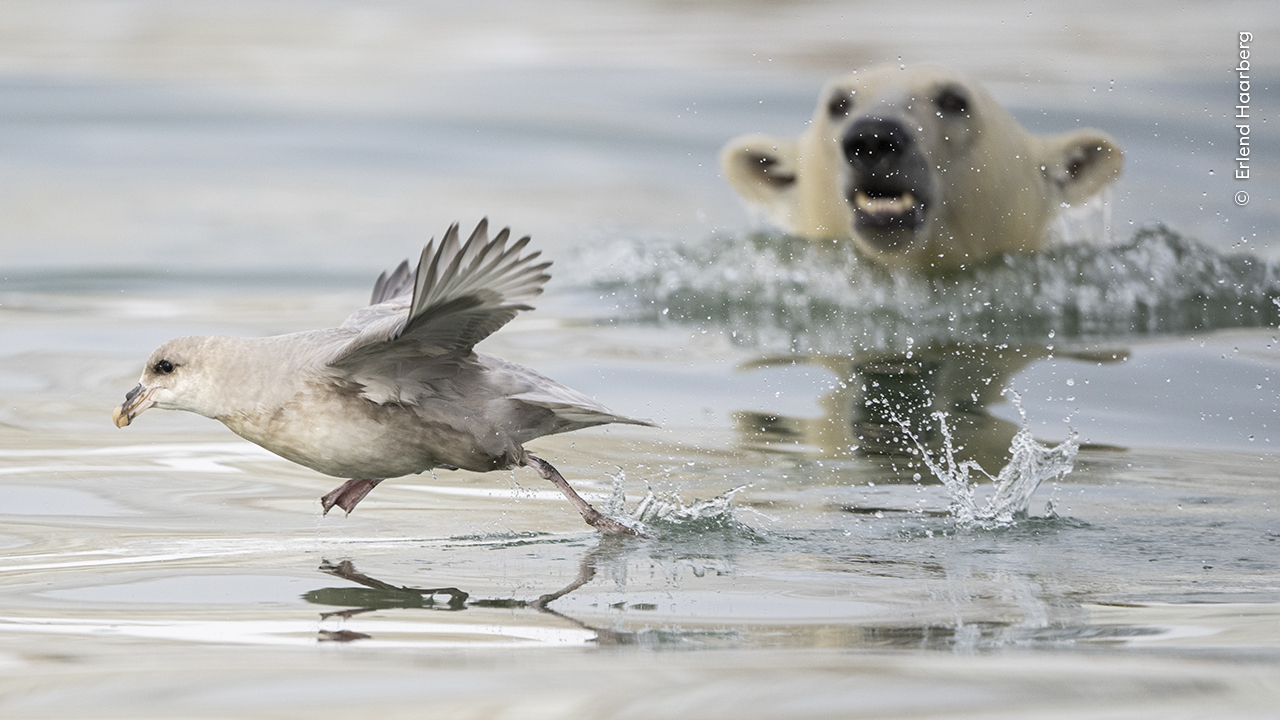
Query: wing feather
column 461, row 294
column 399, row 282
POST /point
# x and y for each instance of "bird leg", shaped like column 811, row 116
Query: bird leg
column 594, row 517
column 348, row 495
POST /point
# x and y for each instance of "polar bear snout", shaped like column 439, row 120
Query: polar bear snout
column 888, row 186
column 875, row 144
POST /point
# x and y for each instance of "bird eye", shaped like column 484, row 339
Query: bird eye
column 164, row 367
column 840, row 104
column 952, row 101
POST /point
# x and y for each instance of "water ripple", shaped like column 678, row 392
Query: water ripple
column 777, row 292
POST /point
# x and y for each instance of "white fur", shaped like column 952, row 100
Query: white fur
column 996, row 187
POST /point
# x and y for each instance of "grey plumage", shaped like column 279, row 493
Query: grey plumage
column 397, row 388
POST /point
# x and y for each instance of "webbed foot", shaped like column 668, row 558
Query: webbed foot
column 348, row 494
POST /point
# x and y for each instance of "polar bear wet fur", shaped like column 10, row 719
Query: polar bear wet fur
column 921, row 169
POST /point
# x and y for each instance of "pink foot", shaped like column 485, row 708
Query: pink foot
column 348, row 495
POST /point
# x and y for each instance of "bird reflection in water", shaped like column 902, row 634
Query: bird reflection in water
column 378, row 595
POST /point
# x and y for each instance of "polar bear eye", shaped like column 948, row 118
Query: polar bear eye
column 840, row 104
column 951, row 101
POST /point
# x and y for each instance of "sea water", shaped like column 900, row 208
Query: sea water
column 248, row 169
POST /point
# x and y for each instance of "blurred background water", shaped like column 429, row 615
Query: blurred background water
column 173, row 168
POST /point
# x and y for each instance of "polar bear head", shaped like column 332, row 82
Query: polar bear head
column 921, row 168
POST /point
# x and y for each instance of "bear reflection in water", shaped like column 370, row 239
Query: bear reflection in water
column 884, row 405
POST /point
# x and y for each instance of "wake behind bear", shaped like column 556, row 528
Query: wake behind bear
column 921, row 168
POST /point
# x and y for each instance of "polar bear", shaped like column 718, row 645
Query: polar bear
column 921, row 168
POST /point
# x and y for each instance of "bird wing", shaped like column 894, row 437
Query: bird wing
column 461, row 294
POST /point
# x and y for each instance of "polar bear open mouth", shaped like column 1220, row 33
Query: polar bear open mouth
column 889, row 209
column 888, row 217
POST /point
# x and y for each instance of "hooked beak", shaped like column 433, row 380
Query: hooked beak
column 135, row 401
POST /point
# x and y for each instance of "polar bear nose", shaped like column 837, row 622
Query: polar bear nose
column 875, row 143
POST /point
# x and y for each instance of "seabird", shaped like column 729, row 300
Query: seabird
column 397, row 388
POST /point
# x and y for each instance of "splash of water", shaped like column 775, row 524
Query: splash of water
column 787, row 293
column 1030, row 464
column 669, row 509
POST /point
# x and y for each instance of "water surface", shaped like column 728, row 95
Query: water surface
column 250, row 170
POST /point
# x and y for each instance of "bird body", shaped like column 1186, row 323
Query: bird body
column 397, row 389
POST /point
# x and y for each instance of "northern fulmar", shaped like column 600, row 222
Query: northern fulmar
column 397, row 388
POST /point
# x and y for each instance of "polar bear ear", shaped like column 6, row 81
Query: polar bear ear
column 762, row 170
column 1081, row 163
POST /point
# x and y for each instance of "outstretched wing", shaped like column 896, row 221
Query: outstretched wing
column 461, row 293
